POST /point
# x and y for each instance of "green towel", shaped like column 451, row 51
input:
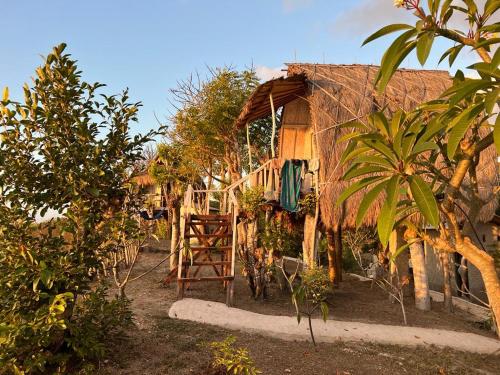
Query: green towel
column 290, row 185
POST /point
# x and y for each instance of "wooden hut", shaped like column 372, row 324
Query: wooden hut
column 316, row 99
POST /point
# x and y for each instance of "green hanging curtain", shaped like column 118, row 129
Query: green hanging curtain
column 290, row 185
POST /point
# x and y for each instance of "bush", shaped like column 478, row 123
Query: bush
column 251, row 201
column 230, row 360
column 68, row 149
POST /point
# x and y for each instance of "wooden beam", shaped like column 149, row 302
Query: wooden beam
column 249, row 149
column 273, row 134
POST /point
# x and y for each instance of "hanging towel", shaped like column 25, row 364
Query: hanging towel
column 290, row 185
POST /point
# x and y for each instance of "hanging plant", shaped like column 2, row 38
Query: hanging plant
column 307, row 204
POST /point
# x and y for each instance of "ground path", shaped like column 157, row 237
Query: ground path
column 286, row 328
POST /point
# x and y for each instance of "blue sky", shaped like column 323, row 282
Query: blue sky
column 149, row 45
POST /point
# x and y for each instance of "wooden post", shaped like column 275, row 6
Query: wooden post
column 249, row 149
column 185, row 211
column 273, row 135
column 230, row 287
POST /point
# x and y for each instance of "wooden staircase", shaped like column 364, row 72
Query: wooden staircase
column 207, row 252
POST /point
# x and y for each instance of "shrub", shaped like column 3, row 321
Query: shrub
column 66, row 149
column 251, row 201
column 230, row 360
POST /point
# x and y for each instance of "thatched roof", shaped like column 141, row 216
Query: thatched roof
column 283, row 90
column 144, row 180
column 341, row 93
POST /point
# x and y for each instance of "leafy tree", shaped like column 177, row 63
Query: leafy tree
column 174, row 170
column 204, row 124
column 426, row 161
column 67, row 149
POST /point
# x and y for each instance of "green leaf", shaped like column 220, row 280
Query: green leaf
column 424, row 45
column 459, row 126
column 393, row 57
column 400, row 249
column 496, row 134
column 352, row 152
column 424, row 146
column 358, row 185
column 367, row 202
column 424, row 198
column 374, row 160
column 490, row 7
column 5, row 95
column 324, row 311
column 356, row 171
column 386, row 219
column 487, row 43
column 387, row 30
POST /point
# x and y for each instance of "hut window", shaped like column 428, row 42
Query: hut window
column 484, row 237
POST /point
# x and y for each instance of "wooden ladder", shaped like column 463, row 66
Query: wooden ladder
column 213, row 249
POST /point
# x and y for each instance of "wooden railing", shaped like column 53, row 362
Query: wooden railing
column 197, row 202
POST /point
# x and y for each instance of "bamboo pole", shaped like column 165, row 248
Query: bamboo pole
column 273, row 135
column 249, row 149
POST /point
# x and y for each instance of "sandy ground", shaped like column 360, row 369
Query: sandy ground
column 160, row 345
column 287, row 328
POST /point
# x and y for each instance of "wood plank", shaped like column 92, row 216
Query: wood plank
column 210, row 217
column 211, row 248
column 205, row 278
column 209, row 235
column 208, row 263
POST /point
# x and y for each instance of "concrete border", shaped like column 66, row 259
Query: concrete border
column 286, row 328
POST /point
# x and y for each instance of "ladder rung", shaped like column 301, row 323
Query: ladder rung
column 213, row 278
column 208, row 235
column 211, row 217
column 208, row 263
column 209, row 222
column 211, row 248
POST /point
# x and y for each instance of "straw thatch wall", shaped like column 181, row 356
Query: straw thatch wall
column 340, row 93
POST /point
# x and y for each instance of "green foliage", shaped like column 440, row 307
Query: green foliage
column 162, row 229
column 404, row 156
column 281, row 236
column 175, row 167
column 307, row 204
column 95, row 321
column 251, row 201
column 204, row 124
column 231, row 360
column 68, row 149
column 311, row 294
column 390, row 164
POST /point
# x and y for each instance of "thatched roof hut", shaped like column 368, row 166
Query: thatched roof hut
column 331, row 95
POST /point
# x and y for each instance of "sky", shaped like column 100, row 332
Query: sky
column 149, row 45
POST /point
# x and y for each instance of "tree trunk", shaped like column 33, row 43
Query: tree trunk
column 175, row 236
column 447, row 291
column 486, row 265
column 399, row 266
column 338, row 253
column 332, row 269
column 422, row 297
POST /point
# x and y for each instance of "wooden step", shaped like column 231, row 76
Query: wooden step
column 211, row 248
column 211, row 217
column 207, row 263
column 208, row 235
column 212, row 278
column 209, row 222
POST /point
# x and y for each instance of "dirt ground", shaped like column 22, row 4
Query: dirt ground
column 159, row 345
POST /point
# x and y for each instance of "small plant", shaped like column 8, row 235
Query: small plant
column 251, row 200
column 310, row 295
column 162, row 229
column 307, row 204
column 230, row 360
column 281, row 236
